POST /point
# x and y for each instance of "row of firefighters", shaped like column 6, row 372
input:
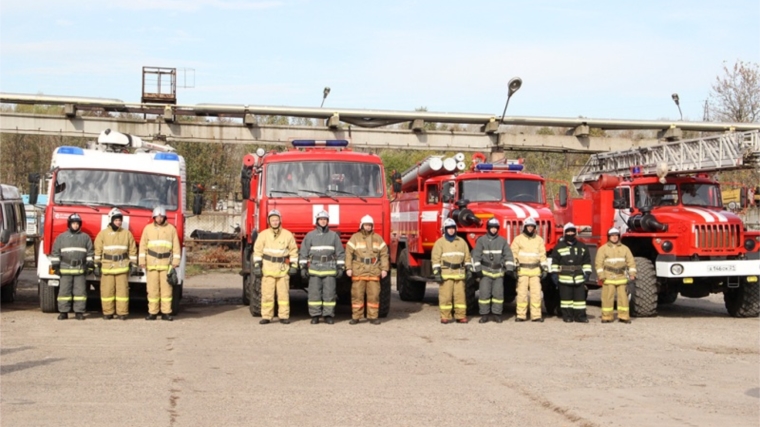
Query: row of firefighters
column 113, row 259
column 322, row 260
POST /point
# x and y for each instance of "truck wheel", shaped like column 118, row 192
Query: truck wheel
column 551, row 297
column 743, row 301
column 643, row 296
column 8, row 292
column 176, row 298
column 385, row 296
column 408, row 289
column 246, row 291
column 255, row 295
column 48, row 297
column 510, row 290
column 668, row 297
column 471, row 298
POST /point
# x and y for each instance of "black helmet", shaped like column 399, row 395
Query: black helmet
column 74, row 218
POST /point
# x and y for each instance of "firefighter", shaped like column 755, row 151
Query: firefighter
column 571, row 268
column 72, row 258
column 614, row 267
column 491, row 257
column 530, row 258
column 366, row 264
column 275, row 258
column 452, row 267
column 160, row 254
column 115, row 259
column 322, row 262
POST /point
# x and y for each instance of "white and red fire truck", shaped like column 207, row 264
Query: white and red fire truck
column 439, row 188
column 667, row 205
column 310, row 177
column 104, row 176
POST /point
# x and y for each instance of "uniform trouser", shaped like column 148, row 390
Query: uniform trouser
column 114, row 290
column 358, row 289
column 491, row 295
column 451, row 295
column 72, row 288
column 159, row 292
column 526, row 284
column 572, row 302
column 608, row 302
column 278, row 287
column 322, row 296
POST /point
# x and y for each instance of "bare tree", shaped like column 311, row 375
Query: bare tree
column 735, row 95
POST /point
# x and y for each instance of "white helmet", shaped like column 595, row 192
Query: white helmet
column 612, row 231
column 322, row 214
column 366, row 219
column 113, row 214
column 569, row 226
column 529, row 221
column 159, row 211
column 493, row 222
column 449, row 223
column 274, row 212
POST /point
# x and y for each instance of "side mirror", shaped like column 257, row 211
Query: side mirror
column 34, row 188
column 197, row 204
column 743, row 198
column 5, row 236
column 461, row 204
column 563, row 196
column 620, row 201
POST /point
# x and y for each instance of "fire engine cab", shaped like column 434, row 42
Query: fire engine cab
column 668, row 208
column 91, row 181
column 437, row 189
column 309, row 177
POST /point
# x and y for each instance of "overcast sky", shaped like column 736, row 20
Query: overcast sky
column 600, row 59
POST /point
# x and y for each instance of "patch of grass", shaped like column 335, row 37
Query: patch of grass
column 193, row 270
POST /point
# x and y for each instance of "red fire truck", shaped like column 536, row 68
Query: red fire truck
column 439, row 188
column 669, row 210
column 310, row 177
column 104, row 176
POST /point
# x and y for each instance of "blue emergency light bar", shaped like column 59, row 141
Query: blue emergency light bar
column 492, row 167
column 167, row 156
column 636, row 170
column 315, row 143
column 71, row 150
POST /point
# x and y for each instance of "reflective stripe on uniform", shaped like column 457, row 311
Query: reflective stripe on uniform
column 615, row 281
column 120, row 270
column 322, row 273
column 446, row 307
column 565, row 304
column 110, row 299
column 613, row 260
column 492, row 275
column 73, row 250
column 64, row 298
column 122, row 299
column 115, row 247
column 160, row 243
column 158, row 267
column 497, row 301
column 460, row 305
column 484, row 301
column 445, row 254
column 315, row 303
column 80, row 298
column 579, row 305
column 321, row 248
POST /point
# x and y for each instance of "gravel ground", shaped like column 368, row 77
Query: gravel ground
column 215, row 365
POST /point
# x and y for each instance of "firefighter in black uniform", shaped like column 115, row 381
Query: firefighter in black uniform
column 571, row 268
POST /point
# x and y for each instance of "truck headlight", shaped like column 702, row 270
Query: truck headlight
column 749, row 245
column 676, row 269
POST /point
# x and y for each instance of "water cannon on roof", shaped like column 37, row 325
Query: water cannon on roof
column 114, row 141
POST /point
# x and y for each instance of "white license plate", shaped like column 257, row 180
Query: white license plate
column 53, row 282
column 722, row 268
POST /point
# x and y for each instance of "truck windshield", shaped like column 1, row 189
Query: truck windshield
column 524, row 190
column 656, row 195
column 116, row 188
column 480, row 190
column 701, row 195
column 346, row 179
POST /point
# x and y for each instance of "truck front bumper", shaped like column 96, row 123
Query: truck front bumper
column 707, row 268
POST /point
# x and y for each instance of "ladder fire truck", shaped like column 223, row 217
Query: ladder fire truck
column 104, row 176
column 310, row 177
column 437, row 189
column 667, row 204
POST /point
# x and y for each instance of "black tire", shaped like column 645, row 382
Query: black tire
column 643, row 296
column 246, row 298
column 385, row 297
column 48, row 297
column 551, row 297
column 254, row 296
column 510, row 290
column 176, row 298
column 408, row 289
column 668, row 297
column 8, row 292
column 743, row 301
column 470, row 292
column 246, row 263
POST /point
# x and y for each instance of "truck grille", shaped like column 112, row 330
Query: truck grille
column 716, row 236
column 514, row 228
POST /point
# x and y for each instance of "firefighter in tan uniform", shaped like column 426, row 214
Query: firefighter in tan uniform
column 115, row 259
column 615, row 265
column 366, row 264
column 159, row 254
column 452, row 267
column 275, row 259
column 530, row 257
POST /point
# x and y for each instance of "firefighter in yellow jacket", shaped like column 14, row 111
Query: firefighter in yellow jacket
column 530, row 258
column 615, row 265
column 366, row 264
column 159, row 254
column 115, row 259
column 452, row 267
column 275, row 259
